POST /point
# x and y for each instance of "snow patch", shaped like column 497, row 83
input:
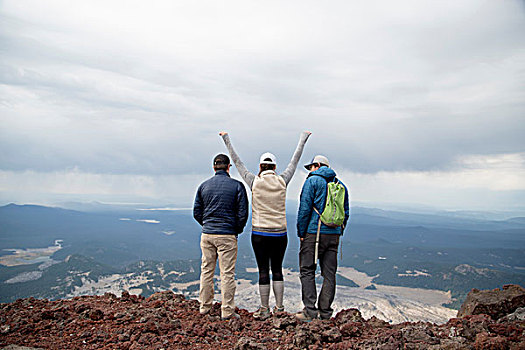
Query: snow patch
column 149, row 221
column 415, row 273
column 25, row 277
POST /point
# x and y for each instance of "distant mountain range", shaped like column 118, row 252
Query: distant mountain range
column 433, row 251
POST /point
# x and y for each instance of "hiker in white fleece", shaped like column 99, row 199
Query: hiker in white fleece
column 269, row 232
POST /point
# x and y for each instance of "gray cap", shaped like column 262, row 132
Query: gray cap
column 318, row 159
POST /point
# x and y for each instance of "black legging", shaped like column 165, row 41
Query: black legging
column 269, row 250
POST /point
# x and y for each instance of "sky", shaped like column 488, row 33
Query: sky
column 414, row 102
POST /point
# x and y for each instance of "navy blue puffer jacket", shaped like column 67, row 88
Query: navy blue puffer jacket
column 221, row 205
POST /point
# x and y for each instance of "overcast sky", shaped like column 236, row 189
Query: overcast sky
column 412, row 101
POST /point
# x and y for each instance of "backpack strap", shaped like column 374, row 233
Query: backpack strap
column 316, row 255
column 324, row 178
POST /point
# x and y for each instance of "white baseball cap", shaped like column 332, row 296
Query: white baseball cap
column 267, row 158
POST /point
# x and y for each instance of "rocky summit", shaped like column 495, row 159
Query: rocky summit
column 169, row 321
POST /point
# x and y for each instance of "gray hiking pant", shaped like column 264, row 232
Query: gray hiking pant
column 328, row 245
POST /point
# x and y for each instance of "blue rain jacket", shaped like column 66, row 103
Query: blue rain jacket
column 314, row 194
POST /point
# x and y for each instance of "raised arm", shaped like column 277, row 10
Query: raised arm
column 245, row 174
column 287, row 174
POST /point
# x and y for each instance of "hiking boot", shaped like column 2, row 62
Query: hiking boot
column 301, row 316
column 278, row 309
column 231, row 317
column 262, row 314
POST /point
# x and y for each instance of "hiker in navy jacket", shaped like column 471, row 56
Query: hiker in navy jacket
column 313, row 195
column 221, row 207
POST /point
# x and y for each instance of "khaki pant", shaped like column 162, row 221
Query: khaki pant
column 225, row 248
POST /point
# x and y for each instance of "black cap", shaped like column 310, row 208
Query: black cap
column 221, row 159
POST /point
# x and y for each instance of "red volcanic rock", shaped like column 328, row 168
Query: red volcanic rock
column 486, row 342
column 496, row 303
column 169, row 321
column 351, row 329
column 96, row 315
column 282, row 320
column 247, row 343
column 348, row 315
column 469, row 326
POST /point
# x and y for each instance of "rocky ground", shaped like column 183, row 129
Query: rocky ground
column 169, row 321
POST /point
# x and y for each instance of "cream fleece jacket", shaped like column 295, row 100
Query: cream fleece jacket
column 268, row 189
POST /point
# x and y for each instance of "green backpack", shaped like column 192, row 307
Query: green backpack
column 333, row 214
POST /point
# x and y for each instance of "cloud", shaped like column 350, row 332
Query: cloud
column 140, row 90
column 477, row 182
column 484, row 183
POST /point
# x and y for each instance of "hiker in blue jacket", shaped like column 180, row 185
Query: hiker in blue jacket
column 313, row 195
